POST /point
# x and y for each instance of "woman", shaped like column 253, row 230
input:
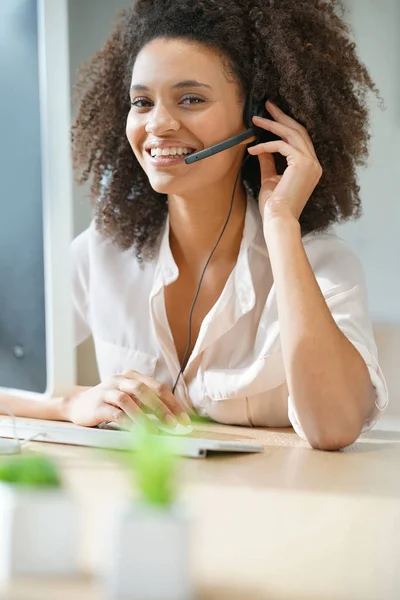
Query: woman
column 278, row 331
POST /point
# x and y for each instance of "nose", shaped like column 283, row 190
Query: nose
column 161, row 121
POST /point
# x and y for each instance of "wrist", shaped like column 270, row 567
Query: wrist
column 278, row 224
column 63, row 403
column 55, row 409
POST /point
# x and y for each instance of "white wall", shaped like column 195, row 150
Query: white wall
column 90, row 23
column 376, row 236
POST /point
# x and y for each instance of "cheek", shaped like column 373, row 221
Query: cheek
column 218, row 129
column 133, row 134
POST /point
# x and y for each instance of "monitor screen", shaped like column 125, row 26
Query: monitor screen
column 35, row 230
column 22, row 299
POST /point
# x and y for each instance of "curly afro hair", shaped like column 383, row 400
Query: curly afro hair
column 298, row 54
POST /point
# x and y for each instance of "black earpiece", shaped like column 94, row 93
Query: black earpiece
column 251, row 108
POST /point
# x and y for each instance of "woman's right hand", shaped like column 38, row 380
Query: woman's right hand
column 125, row 399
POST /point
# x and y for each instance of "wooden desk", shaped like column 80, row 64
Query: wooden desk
column 288, row 524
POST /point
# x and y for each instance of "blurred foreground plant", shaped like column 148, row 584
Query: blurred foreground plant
column 29, row 470
column 153, row 463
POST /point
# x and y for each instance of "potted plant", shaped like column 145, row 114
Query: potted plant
column 150, row 553
column 37, row 519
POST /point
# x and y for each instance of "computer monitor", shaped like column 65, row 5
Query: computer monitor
column 36, row 339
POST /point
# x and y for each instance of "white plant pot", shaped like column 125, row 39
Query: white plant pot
column 150, row 554
column 38, row 530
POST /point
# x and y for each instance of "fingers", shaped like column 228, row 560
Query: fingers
column 277, row 146
column 162, row 394
column 149, row 400
column 109, row 412
column 293, row 155
column 291, row 123
column 168, row 398
column 144, row 394
column 145, row 398
column 286, row 127
column 121, row 400
column 123, row 403
column 288, row 134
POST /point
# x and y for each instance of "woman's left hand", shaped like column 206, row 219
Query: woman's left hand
column 285, row 195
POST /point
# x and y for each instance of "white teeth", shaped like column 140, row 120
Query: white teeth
column 169, row 151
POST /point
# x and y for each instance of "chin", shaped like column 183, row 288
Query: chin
column 167, row 185
column 163, row 187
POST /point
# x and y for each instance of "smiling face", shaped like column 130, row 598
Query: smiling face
column 183, row 101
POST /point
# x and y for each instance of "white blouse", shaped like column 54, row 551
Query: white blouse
column 235, row 373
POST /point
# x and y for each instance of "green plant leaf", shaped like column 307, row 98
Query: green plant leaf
column 154, row 466
column 31, row 470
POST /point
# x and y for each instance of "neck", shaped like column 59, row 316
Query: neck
column 196, row 223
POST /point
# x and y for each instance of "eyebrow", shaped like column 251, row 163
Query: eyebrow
column 181, row 84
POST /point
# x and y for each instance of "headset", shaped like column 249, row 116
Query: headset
column 252, row 107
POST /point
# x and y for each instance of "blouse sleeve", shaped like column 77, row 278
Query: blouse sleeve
column 340, row 277
column 80, row 287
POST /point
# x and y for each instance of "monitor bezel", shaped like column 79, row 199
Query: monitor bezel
column 57, row 194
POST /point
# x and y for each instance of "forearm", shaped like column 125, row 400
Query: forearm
column 327, row 378
column 49, row 408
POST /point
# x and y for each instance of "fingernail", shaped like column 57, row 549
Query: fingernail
column 184, row 419
column 170, row 421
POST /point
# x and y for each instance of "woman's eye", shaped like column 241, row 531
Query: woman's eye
column 195, row 99
column 140, row 102
column 145, row 102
